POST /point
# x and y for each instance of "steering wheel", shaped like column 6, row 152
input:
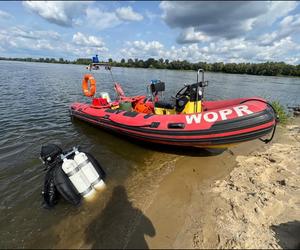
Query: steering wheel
column 181, row 92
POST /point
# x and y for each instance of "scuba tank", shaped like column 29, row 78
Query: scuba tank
column 88, row 169
column 77, row 177
column 97, row 165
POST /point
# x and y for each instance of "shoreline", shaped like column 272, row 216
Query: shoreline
column 153, row 68
column 255, row 191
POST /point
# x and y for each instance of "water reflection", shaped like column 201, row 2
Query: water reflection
column 120, row 225
column 112, row 138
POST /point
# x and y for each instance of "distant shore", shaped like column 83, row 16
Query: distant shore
column 265, row 69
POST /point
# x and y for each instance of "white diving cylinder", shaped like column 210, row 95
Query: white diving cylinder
column 76, row 176
column 88, row 169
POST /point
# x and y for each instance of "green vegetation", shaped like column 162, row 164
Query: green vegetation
column 282, row 114
column 267, row 68
column 83, row 61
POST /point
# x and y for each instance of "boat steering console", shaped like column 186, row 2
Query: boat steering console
column 190, row 92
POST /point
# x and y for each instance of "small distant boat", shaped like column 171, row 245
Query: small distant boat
column 189, row 121
column 96, row 64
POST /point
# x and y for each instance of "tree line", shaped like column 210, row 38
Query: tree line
column 266, row 68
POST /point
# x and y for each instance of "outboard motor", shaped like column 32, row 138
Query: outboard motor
column 71, row 174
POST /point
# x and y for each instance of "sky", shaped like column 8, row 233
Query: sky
column 211, row 31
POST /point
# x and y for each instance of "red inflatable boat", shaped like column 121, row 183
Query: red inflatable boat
column 218, row 124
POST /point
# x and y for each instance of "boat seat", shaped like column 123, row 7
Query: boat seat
column 165, row 105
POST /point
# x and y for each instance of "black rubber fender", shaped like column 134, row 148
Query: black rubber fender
column 65, row 187
column 97, row 165
column 50, row 192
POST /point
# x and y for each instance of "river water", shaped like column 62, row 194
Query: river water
column 34, row 104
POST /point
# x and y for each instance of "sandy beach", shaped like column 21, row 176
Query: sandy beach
column 252, row 202
column 247, row 196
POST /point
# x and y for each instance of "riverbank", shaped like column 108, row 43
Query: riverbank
column 252, row 201
column 261, row 69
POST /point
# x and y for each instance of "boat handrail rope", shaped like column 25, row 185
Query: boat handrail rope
column 276, row 118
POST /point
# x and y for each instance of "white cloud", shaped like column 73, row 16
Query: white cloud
column 81, row 13
column 289, row 26
column 84, row 45
column 82, row 51
column 47, row 42
column 101, row 19
column 63, row 13
column 275, row 11
column 5, row 15
column 127, row 14
column 278, row 51
column 23, row 32
column 151, row 16
column 189, row 35
column 89, row 41
column 267, row 39
column 234, row 50
column 143, row 49
column 146, row 46
column 15, row 39
column 231, row 31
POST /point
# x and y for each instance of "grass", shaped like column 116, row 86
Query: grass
column 282, row 114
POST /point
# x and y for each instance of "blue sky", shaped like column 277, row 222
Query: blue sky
column 195, row 31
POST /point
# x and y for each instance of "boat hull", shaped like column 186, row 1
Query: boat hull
column 222, row 123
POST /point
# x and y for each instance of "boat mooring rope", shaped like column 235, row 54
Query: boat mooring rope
column 276, row 118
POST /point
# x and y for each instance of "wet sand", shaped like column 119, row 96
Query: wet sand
column 246, row 197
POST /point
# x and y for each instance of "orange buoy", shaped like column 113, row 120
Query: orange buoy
column 85, row 85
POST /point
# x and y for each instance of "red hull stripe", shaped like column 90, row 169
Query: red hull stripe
column 242, row 135
column 218, row 129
